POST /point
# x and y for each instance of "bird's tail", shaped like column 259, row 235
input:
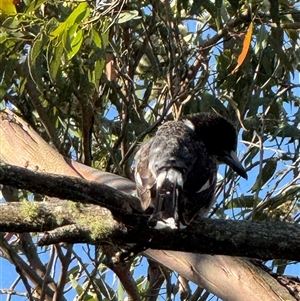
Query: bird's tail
column 166, row 202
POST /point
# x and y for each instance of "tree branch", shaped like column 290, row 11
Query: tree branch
column 264, row 240
column 80, row 190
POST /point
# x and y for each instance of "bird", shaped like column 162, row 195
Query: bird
column 176, row 169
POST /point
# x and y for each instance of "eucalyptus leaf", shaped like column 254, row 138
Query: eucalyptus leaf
column 2, row 102
column 209, row 102
column 76, row 43
column 76, row 285
column 126, row 16
column 54, row 60
column 262, row 39
column 267, row 172
column 36, row 48
column 244, row 201
column 96, row 38
column 79, row 14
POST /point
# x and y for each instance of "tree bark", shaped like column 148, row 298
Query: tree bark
column 223, row 237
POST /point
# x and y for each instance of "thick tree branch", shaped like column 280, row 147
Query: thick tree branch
column 264, row 240
column 86, row 192
column 236, row 272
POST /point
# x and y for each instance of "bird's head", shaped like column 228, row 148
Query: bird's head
column 219, row 137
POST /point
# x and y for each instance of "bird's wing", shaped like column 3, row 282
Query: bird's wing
column 144, row 177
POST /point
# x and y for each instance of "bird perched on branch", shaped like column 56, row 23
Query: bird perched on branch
column 176, row 169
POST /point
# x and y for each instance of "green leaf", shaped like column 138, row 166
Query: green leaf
column 244, row 201
column 11, row 23
column 255, row 103
column 58, row 31
column 3, row 36
column 101, row 37
column 97, row 73
column 290, row 131
column 22, row 85
column 36, row 48
column 80, row 13
column 76, row 43
column 129, row 15
column 7, row 7
column 121, row 291
column 96, row 38
column 73, row 272
column 198, row 4
column 261, row 39
column 2, row 102
column 105, row 289
column 34, row 5
column 68, row 36
column 3, row 89
column 266, row 174
column 252, row 153
column 54, row 59
column 276, row 41
column 36, row 60
column 209, row 101
column 76, row 285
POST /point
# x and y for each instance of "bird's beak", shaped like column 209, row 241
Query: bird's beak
column 232, row 160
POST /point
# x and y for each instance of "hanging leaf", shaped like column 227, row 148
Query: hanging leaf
column 54, row 59
column 266, row 174
column 36, row 60
column 2, row 103
column 76, row 285
column 96, row 38
column 209, row 102
column 95, row 75
column 58, row 31
column 261, row 39
column 237, row 111
column 7, row 7
column 75, row 43
column 36, row 48
column 80, row 13
column 251, row 155
column 246, row 46
column 126, row 16
column 244, row 201
column 34, row 5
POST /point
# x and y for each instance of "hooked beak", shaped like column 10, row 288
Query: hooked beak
column 232, row 160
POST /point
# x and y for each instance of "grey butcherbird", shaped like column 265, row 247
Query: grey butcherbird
column 176, row 169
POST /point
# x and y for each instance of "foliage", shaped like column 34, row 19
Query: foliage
column 95, row 78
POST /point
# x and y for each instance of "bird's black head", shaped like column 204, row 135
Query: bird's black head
column 219, row 136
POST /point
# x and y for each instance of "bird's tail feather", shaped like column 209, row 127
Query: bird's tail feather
column 169, row 185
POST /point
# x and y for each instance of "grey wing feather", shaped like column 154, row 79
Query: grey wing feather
column 144, row 177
